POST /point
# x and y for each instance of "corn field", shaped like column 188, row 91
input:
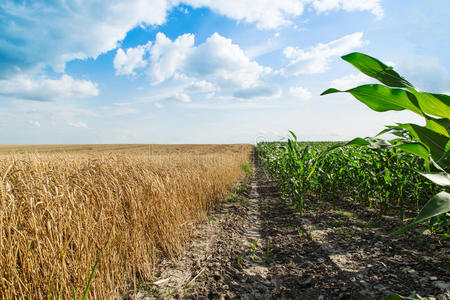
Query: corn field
column 408, row 172
column 62, row 210
column 379, row 178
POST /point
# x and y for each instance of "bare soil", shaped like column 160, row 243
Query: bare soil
column 257, row 247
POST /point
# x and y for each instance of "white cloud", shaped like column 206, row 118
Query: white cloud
column 316, row 59
column 44, row 89
column 215, row 64
column 34, row 123
column 78, row 124
column 266, row 14
column 159, row 105
column 96, row 27
column 182, row 97
column 56, row 32
column 225, row 63
column 167, row 57
column 350, row 81
column 374, row 6
column 126, row 62
column 300, row 92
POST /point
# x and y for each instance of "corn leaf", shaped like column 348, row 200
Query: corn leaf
column 434, row 104
column 415, row 148
column 437, row 143
column 440, row 178
column 437, row 205
column 438, row 125
column 381, row 98
column 357, row 142
column 376, row 69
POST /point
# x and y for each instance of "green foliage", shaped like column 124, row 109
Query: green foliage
column 247, row 168
column 338, row 223
column 381, row 176
column 364, row 224
column 343, row 213
column 398, row 297
column 346, row 233
column 374, row 68
column 212, row 218
column 232, row 198
column 431, row 142
column 238, row 189
column 439, row 204
column 399, row 174
column 239, row 260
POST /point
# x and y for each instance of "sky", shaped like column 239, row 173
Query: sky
column 203, row 71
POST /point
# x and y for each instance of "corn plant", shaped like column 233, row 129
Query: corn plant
column 399, row 174
column 382, row 178
column 430, row 142
column 291, row 164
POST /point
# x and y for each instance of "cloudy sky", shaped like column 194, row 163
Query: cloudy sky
column 206, row 71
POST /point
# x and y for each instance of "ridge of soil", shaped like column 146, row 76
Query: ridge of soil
column 258, row 247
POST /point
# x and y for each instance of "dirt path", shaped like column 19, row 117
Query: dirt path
column 256, row 246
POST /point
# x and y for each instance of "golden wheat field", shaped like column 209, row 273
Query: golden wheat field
column 62, row 207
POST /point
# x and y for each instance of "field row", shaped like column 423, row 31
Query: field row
column 385, row 179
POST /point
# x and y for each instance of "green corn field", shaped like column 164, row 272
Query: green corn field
column 380, row 178
column 405, row 175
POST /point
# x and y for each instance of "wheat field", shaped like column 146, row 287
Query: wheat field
column 61, row 207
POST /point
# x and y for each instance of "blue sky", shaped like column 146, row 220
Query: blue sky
column 201, row 71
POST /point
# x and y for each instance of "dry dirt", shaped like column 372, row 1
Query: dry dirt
column 257, row 247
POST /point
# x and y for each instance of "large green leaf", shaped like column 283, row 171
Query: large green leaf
column 355, row 142
column 393, row 297
column 440, row 178
column 374, row 68
column 434, row 104
column 437, row 143
column 394, row 130
column 293, row 134
column 437, row 205
column 382, row 98
column 416, row 149
column 445, row 159
column 438, row 125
